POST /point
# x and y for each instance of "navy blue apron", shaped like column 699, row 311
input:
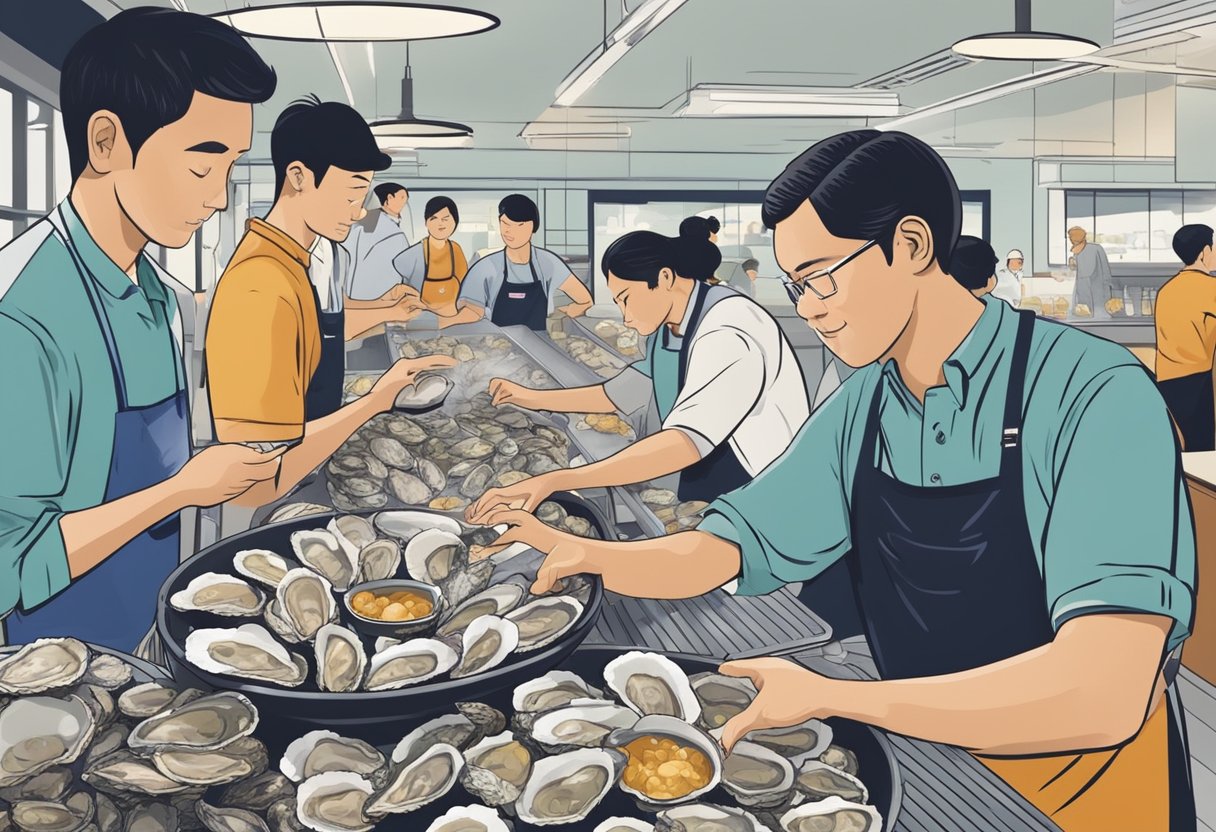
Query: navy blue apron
column 523, row 304
column 1191, row 404
column 114, row 604
column 324, row 394
column 719, row 472
column 946, row 577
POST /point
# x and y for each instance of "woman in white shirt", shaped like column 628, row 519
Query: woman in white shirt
column 720, row 371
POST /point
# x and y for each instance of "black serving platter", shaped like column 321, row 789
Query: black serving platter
column 378, row 717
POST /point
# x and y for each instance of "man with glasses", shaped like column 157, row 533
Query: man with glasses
column 965, row 475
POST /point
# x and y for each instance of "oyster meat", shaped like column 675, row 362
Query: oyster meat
column 707, row 817
column 499, row 599
column 245, row 757
column 581, row 724
column 143, row 701
column 757, row 777
column 124, row 773
column 333, row 802
column 261, row 565
column 652, row 684
column 248, row 651
column 434, row 555
column 722, row 697
column 469, row 819
column 455, row 730
column 832, row 814
column 320, row 751
column 42, row 665
column 797, row 743
column 206, row 723
column 413, row 785
column 53, row 816
column 321, row 552
column 487, row 643
column 818, row 780
column 566, row 788
column 304, row 601
column 544, row 621
column 496, row 769
column 39, row 732
column 341, row 661
column 409, row 663
column 220, row 595
column 553, row 690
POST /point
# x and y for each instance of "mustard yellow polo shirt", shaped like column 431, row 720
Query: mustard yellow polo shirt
column 1186, row 325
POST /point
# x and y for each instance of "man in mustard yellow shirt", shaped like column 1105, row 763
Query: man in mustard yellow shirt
column 1186, row 339
column 275, row 360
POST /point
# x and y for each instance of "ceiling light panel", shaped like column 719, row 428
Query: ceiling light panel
column 337, row 21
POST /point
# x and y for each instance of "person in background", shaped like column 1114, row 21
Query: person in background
column 1009, row 279
column 1093, row 294
column 959, row 473
column 435, row 267
column 95, row 447
column 374, row 242
column 973, row 265
column 516, row 286
column 275, row 361
column 1186, row 338
column 709, row 226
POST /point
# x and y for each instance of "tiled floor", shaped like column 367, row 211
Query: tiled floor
column 1199, row 699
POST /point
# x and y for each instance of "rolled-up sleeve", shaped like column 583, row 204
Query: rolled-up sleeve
column 411, row 266
column 35, row 447
column 792, row 521
column 1120, row 536
column 724, row 380
column 478, row 284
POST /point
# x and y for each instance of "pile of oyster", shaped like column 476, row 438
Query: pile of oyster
column 622, row 338
column 589, row 354
column 85, row 746
column 289, row 625
column 482, row 358
column 674, row 514
column 562, row 753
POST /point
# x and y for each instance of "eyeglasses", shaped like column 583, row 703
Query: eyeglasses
column 821, row 282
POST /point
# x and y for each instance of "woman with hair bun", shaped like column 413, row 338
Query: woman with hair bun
column 717, row 366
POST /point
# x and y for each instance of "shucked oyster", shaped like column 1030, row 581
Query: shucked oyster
column 496, row 769
column 352, row 532
column 206, row 723
column 109, row 672
column 707, row 817
column 469, row 819
column 333, row 802
column 818, row 780
column 497, row 600
column 237, row 760
column 487, row 643
column 566, row 788
column 456, row 730
column 320, row 751
column 434, row 555
column 220, row 595
column 53, row 816
column 722, row 697
column 756, row 776
column 832, row 814
column 39, row 732
column 43, row 665
column 581, row 724
column 409, row 663
column 321, row 552
column 341, row 661
column 413, row 785
column 797, row 743
column 143, row 701
column 379, row 560
column 652, row 684
column 304, row 601
column 263, row 566
column 553, row 690
column 124, row 773
column 248, row 651
column 544, row 621
column 405, row 525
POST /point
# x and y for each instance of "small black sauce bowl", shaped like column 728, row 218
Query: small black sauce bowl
column 394, row 629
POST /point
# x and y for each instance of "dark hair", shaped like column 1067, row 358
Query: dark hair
column 751, row 264
column 1190, row 241
column 699, row 227
column 321, row 135
column 145, row 64
column 973, row 262
column 641, row 255
column 437, row 203
column 387, row 189
column 519, row 208
column 863, row 182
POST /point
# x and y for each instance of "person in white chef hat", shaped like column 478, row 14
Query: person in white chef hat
column 1009, row 279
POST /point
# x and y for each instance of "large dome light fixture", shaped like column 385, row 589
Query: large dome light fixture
column 338, row 22
column 1022, row 44
column 407, row 132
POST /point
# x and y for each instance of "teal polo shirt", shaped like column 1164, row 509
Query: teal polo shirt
column 1104, row 494
column 59, row 401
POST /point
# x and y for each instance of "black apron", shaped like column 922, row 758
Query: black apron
column 1189, row 399
column 946, row 577
column 519, row 304
column 324, row 394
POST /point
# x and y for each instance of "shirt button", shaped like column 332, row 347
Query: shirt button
column 935, row 478
column 941, row 438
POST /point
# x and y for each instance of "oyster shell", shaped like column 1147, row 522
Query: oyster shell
column 462, row 469
column 39, row 732
column 832, row 814
column 477, row 481
column 333, row 802
column 42, row 665
column 406, row 430
column 304, row 603
column 817, row 780
column 150, row 817
column 841, row 758
column 434, row 555
column 659, row 497
column 124, row 773
column 100, row 702
column 217, row 819
column 341, row 661
column 496, row 600
column 53, row 816
column 409, row 663
column 469, row 819
column 392, row 453
column 580, row 725
column 220, row 595
column 487, row 719
column 757, row 776
column 707, row 817
column 430, row 474
column 624, row 825
column 797, row 743
column 207, row 723
column 553, row 690
column 497, row 769
column 455, row 730
column 409, row 489
column 245, row 757
column 384, row 642
column 487, row 643
column 143, row 701
column 104, row 743
column 109, row 672
column 467, row 581
column 248, row 651
column 320, row 751
column 282, row 816
column 566, row 788
column 652, row 684
column 360, row 487
column 109, row 819
column 472, row 448
column 293, row 511
column 262, row 565
column 508, row 478
column 257, row 794
column 544, row 621
column 722, row 697
column 551, row 514
column 352, row 532
column 415, row 784
column 688, row 736
column 378, row 560
column 406, row 525
column 321, row 552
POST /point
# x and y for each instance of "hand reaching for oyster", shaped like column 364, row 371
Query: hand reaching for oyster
column 525, row 495
column 403, row 373
column 566, row 554
column 789, row 694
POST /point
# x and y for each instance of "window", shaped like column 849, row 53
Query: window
column 1132, row 226
column 27, row 158
column 977, row 220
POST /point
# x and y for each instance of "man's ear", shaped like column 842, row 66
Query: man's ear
column 297, row 176
column 667, row 277
column 106, row 142
column 917, row 241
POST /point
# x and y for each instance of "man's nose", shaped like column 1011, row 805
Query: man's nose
column 810, row 307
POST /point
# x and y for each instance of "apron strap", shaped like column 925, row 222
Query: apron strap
column 694, row 322
column 1011, row 427
column 506, row 267
column 426, row 263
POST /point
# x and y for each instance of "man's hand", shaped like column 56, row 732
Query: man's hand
column 404, row 310
column 220, row 472
column 567, row 553
column 508, row 392
column 525, row 495
column 399, row 292
column 573, row 310
column 789, row 694
column 403, row 373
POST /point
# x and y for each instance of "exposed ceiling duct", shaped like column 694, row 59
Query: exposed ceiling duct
column 930, row 66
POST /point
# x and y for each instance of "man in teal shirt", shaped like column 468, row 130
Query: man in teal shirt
column 94, row 435
column 1022, row 575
